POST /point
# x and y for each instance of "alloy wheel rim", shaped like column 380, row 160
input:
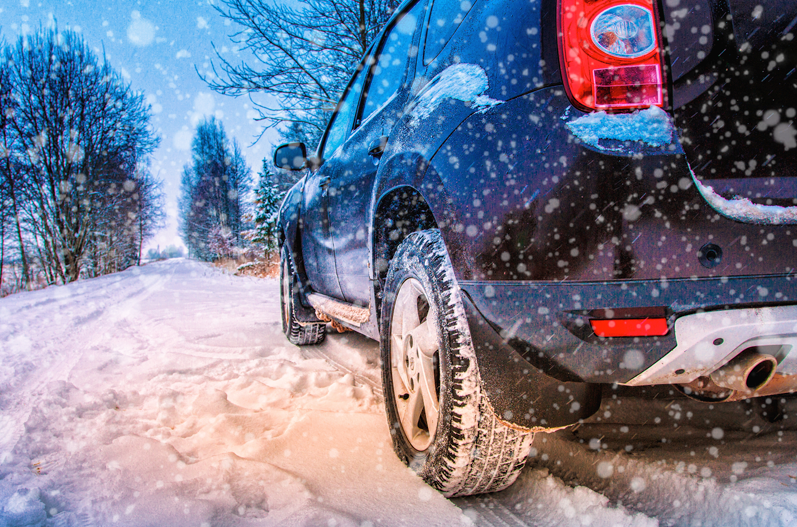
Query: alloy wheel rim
column 414, row 351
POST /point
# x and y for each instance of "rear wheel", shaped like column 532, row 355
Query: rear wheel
column 298, row 334
column 441, row 425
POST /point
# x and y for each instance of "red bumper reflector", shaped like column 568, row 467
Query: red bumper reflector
column 630, row 327
column 628, row 86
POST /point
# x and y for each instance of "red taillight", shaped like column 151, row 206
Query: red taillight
column 630, row 327
column 611, row 54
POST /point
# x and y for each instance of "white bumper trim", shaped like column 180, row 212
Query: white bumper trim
column 708, row 340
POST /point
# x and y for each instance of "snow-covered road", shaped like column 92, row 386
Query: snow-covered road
column 167, row 395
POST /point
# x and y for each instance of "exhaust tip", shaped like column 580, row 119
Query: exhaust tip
column 761, row 374
column 748, row 371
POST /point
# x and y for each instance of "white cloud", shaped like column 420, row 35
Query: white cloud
column 182, row 54
column 24, row 3
column 201, row 23
column 140, row 32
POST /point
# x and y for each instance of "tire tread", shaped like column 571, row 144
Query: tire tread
column 482, row 456
column 297, row 334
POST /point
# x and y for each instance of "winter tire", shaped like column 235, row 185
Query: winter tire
column 298, row 334
column 441, row 425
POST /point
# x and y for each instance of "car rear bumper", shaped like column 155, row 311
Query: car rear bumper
column 548, row 323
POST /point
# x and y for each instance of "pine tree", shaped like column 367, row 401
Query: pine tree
column 268, row 199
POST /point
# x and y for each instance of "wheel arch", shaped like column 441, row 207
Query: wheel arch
column 289, row 218
column 400, row 211
column 409, row 186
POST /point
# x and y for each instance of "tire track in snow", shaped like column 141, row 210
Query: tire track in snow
column 317, row 352
column 487, row 511
column 18, row 403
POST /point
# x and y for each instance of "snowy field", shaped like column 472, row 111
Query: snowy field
column 166, row 395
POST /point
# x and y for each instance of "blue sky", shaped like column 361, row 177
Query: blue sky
column 156, row 45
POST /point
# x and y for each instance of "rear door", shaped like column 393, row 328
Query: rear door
column 316, row 240
column 350, row 189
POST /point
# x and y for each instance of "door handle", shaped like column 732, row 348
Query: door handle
column 377, row 148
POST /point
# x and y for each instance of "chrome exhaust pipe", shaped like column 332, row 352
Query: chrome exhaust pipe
column 747, row 372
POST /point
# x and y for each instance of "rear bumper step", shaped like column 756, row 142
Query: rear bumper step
column 348, row 313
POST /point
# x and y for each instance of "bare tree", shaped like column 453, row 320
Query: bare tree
column 78, row 138
column 240, row 181
column 213, row 191
column 9, row 170
column 149, row 209
column 5, row 207
column 301, row 56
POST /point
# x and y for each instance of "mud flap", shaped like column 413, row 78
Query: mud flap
column 521, row 394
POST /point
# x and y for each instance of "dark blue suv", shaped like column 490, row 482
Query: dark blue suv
column 526, row 201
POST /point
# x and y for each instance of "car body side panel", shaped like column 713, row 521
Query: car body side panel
column 534, row 201
column 316, row 233
column 504, row 39
column 349, row 195
column 289, row 222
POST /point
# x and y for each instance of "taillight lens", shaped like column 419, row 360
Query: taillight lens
column 624, row 31
column 611, row 54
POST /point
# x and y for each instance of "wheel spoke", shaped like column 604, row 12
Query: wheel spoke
column 424, row 337
column 412, row 414
column 428, row 391
column 409, row 312
column 399, row 360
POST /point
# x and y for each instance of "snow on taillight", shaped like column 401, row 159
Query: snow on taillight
column 611, row 54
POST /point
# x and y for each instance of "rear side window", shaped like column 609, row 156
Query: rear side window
column 445, row 18
column 391, row 63
column 341, row 121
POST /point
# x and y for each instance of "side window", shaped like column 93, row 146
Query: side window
column 338, row 129
column 445, row 18
column 391, row 63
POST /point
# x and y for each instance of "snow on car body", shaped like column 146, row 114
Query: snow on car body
column 611, row 206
